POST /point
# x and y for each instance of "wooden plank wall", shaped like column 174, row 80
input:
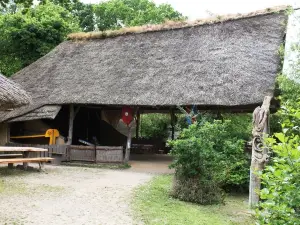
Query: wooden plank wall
column 101, row 154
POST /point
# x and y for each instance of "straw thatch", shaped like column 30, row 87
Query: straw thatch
column 233, row 63
column 11, row 94
column 44, row 112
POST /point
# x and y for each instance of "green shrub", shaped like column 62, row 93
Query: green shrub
column 208, row 157
column 281, row 195
column 204, row 192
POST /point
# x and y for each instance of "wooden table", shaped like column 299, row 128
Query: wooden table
column 25, row 159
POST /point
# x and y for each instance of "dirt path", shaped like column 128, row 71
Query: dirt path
column 69, row 195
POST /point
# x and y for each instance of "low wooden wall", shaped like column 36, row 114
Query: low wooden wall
column 95, row 154
column 99, row 154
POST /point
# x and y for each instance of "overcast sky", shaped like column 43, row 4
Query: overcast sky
column 195, row 9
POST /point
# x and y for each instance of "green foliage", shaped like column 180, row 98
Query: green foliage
column 155, row 125
column 111, row 14
column 211, row 157
column 281, row 195
column 6, row 3
column 84, row 12
column 28, row 35
column 289, row 90
column 240, row 125
column 29, row 3
column 85, row 15
column 289, row 95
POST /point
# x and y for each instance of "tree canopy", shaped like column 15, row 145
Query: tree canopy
column 26, row 36
column 30, row 31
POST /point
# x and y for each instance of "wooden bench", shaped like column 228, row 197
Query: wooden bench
column 10, row 155
column 39, row 160
column 25, row 159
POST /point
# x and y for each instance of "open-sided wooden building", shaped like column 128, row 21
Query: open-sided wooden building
column 79, row 88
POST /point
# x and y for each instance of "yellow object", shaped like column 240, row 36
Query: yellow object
column 52, row 134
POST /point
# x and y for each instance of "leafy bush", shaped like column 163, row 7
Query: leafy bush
column 281, row 195
column 208, row 157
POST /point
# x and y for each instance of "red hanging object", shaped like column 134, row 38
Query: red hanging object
column 127, row 115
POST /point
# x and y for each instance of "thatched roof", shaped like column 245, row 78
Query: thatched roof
column 44, row 112
column 11, row 94
column 228, row 63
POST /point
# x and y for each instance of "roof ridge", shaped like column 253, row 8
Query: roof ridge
column 171, row 25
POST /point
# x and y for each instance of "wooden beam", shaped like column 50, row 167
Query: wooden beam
column 260, row 152
column 26, row 160
column 138, row 118
column 128, row 144
column 71, row 122
column 76, row 111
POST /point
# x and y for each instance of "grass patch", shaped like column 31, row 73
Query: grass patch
column 153, row 205
column 118, row 166
column 12, row 188
column 4, row 171
column 12, row 183
column 17, row 187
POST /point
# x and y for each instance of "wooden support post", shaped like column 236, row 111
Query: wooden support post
column 128, row 145
column 138, row 118
column 10, row 165
column 71, row 121
column 173, row 123
column 260, row 153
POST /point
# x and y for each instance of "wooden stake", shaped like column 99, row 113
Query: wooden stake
column 71, row 121
column 260, row 153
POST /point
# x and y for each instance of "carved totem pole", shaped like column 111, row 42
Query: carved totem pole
column 260, row 153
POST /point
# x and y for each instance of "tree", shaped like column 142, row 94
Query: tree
column 113, row 14
column 29, row 3
column 84, row 12
column 85, row 15
column 28, row 35
column 5, row 3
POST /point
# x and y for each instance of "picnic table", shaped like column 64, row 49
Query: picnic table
column 11, row 157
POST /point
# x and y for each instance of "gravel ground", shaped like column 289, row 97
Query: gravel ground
column 70, row 195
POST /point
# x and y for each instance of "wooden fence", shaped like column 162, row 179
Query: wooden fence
column 97, row 154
